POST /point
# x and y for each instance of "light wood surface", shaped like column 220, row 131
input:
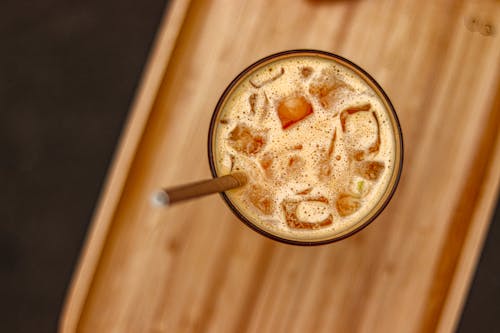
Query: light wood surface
column 196, row 268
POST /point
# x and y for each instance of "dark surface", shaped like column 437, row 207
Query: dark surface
column 482, row 310
column 68, row 73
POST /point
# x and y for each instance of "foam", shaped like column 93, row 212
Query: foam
column 288, row 166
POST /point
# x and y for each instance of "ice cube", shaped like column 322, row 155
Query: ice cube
column 327, row 87
column 296, row 212
column 347, row 204
column 266, row 162
column 370, row 169
column 260, row 198
column 293, row 109
column 246, row 140
column 353, row 110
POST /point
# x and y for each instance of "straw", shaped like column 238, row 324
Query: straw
column 168, row 196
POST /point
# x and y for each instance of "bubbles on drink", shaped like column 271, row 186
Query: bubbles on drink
column 316, row 142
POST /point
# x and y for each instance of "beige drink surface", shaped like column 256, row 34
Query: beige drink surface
column 316, row 141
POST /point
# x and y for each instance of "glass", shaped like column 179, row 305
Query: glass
column 394, row 122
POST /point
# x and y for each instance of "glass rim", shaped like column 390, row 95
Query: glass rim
column 398, row 137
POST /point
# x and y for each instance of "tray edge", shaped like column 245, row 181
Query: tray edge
column 151, row 78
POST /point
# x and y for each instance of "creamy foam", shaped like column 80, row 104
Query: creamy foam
column 316, row 141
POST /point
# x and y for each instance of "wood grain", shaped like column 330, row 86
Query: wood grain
column 195, row 268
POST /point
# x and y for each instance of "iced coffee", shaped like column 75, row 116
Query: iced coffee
column 318, row 140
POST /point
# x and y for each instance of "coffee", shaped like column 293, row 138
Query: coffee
column 318, row 141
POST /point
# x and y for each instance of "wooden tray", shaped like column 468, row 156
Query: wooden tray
column 196, row 268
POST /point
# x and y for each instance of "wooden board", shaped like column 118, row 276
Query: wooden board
column 196, row 268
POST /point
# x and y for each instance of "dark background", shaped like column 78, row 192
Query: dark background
column 68, row 73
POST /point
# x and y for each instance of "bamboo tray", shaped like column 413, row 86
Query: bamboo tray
column 196, row 268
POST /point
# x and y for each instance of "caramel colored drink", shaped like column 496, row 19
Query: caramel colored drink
column 319, row 141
